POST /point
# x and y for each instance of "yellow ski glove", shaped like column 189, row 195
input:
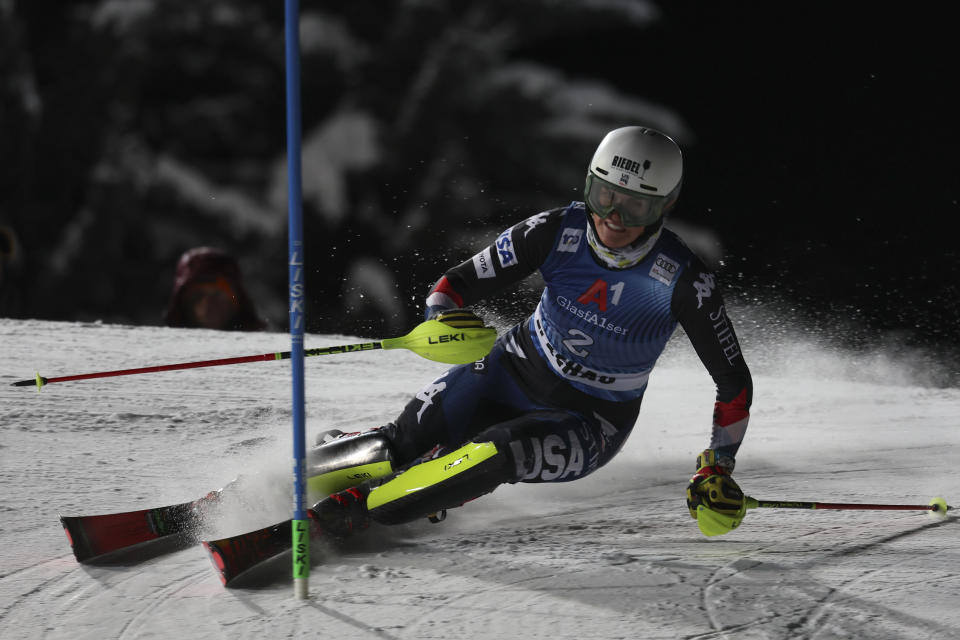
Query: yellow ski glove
column 713, row 497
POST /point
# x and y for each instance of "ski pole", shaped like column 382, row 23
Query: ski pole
column 937, row 506
column 433, row 340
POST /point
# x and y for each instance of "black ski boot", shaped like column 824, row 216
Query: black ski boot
column 342, row 514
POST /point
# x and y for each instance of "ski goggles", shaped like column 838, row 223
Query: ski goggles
column 217, row 288
column 635, row 209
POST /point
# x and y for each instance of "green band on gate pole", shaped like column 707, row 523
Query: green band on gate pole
column 301, row 549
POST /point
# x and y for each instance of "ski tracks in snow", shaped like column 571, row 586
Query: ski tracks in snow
column 823, row 584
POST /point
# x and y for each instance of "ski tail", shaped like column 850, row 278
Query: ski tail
column 91, row 537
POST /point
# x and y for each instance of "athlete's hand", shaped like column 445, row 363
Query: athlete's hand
column 460, row 319
column 713, row 497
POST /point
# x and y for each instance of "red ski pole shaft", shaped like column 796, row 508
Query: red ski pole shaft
column 40, row 381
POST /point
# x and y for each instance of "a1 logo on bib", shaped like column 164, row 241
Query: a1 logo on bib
column 598, row 294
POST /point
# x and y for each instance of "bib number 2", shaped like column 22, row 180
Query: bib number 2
column 577, row 340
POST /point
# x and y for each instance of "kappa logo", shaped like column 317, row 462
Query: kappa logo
column 534, row 221
column 664, row 269
column 508, row 256
column 426, row 395
column 483, row 264
column 704, row 287
column 570, row 240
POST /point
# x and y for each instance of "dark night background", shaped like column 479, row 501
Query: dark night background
column 821, row 150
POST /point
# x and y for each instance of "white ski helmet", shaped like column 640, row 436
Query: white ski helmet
column 636, row 171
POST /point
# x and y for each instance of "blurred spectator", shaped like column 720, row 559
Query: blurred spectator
column 208, row 293
column 11, row 264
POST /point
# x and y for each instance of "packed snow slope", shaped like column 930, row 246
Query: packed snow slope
column 612, row 556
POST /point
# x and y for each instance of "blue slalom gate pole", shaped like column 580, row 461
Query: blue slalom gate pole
column 301, row 526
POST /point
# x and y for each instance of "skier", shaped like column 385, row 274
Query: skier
column 559, row 393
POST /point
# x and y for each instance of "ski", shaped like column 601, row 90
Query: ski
column 235, row 555
column 93, row 536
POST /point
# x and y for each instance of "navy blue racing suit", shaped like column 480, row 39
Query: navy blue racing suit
column 561, row 391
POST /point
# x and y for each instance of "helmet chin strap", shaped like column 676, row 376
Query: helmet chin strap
column 624, row 257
